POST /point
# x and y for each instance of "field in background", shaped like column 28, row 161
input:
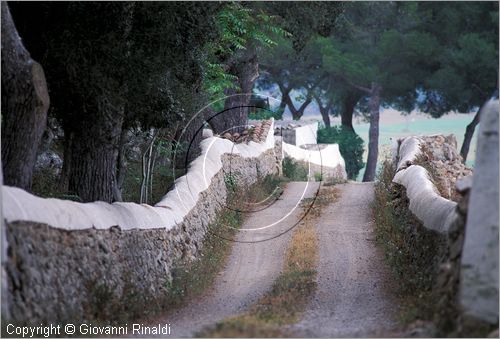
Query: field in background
column 418, row 124
column 395, row 125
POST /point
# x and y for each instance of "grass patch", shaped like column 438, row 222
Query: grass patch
column 412, row 251
column 290, row 292
column 293, row 170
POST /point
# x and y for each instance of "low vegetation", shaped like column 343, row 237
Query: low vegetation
column 292, row 289
column 350, row 145
column 294, row 170
column 412, row 251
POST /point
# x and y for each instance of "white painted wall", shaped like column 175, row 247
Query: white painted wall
column 434, row 211
column 18, row 204
column 307, row 134
column 328, row 156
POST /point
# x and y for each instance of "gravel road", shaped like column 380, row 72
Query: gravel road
column 353, row 298
column 251, row 268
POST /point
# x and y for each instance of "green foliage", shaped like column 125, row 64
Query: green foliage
column 237, row 25
column 465, row 67
column 294, row 170
column 264, row 114
column 163, row 181
column 318, row 176
column 231, row 182
column 350, row 145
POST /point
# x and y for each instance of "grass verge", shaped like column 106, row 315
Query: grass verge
column 412, row 251
column 290, row 293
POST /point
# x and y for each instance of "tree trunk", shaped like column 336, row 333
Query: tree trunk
column 374, row 104
column 325, row 116
column 298, row 113
column 324, row 110
column 347, row 112
column 284, row 95
column 94, row 153
column 469, row 132
column 235, row 115
column 66, row 169
column 25, row 101
column 121, row 166
column 96, row 140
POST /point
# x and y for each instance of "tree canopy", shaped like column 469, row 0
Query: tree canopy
column 113, row 67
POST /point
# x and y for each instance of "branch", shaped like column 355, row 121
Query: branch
column 350, row 83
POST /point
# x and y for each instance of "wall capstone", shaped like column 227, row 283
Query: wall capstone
column 434, row 211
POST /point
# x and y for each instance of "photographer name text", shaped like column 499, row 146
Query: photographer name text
column 86, row 329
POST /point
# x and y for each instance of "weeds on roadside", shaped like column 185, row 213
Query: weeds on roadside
column 412, row 251
column 294, row 170
column 186, row 282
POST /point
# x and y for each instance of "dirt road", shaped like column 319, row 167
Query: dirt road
column 353, row 280
column 251, row 268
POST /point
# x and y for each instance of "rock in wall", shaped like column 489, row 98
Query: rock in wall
column 467, row 286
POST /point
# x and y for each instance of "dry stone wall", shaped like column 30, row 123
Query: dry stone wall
column 324, row 159
column 65, row 257
column 466, row 287
column 426, row 202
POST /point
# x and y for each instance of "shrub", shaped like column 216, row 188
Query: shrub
column 350, row 144
column 294, row 170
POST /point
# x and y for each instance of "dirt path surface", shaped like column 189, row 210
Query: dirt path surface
column 353, row 280
column 251, row 268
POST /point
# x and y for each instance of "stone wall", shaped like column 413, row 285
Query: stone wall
column 479, row 265
column 297, row 134
column 324, row 159
column 466, row 288
column 426, row 203
column 65, row 258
